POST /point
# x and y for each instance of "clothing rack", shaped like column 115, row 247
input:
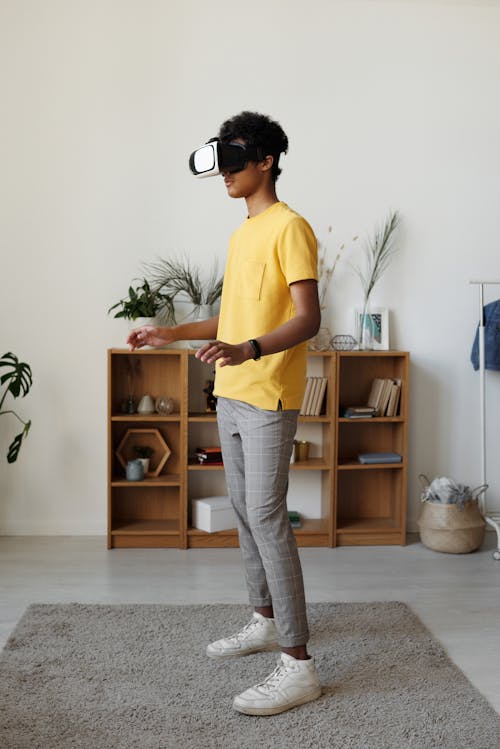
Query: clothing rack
column 492, row 519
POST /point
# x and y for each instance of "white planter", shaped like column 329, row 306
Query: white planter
column 145, row 464
column 186, row 312
column 141, row 321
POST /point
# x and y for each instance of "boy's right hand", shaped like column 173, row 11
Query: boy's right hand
column 149, row 335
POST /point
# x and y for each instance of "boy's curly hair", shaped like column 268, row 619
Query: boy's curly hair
column 257, row 130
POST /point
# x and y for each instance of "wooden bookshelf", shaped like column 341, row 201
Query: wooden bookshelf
column 358, row 504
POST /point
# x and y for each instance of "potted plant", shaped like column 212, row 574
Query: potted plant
column 17, row 381
column 187, row 294
column 142, row 306
column 145, row 453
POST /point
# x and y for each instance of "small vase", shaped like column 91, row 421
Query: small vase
column 145, row 465
column 164, row 405
column 366, row 332
column 134, row 470
column 146, row 405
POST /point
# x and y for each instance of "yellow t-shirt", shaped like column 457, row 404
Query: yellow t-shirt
column 267, row 253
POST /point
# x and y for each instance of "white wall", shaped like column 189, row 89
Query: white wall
column 387, row 104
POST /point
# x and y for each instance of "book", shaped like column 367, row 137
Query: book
column 384, row 397
column 209, row 455
column 314, row 396
column 307, row 396
column 310, row 391
column 374, row 396
column 359, row 412
column 388, row 457
column 393, row 405
column 319, row 396
column 294, row 519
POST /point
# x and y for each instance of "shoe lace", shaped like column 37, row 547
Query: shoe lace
column 274, row 679
column 247, row 630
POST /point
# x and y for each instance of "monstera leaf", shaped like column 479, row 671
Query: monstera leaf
column 17, row 380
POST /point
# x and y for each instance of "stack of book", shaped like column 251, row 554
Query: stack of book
column 384, row 396
column 359, row 412
column 209, row 456
column 314, row 396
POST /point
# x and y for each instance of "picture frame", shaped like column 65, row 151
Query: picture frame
column 380, row 326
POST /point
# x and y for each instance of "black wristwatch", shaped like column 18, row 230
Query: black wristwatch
column 256, row 349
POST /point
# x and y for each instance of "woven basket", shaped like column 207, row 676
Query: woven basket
column 450, row 529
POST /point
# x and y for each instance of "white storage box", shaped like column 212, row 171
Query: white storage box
column 213, row 514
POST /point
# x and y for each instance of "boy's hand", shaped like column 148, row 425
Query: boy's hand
column 225, row 354
column 149, row 335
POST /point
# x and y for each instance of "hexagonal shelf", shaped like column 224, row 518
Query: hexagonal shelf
column 146, row 438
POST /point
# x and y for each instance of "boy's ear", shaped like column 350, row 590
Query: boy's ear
column 266, row 163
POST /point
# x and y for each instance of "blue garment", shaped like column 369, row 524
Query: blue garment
column 491, row 338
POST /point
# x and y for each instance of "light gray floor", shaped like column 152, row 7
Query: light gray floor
column 456, row 596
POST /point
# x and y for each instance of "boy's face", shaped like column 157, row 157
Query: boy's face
column 249, row 180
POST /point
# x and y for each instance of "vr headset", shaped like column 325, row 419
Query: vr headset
column 216, row 157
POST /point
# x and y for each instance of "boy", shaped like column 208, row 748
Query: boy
column 269, row 309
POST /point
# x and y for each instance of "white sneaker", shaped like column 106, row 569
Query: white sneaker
column 258, row 635
column 293, row 682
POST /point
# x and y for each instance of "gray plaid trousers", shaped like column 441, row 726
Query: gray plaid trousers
column 256, row 447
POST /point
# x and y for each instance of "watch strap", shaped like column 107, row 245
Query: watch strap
column 256, row 348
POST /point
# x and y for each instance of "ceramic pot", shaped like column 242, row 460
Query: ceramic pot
column 134, row 470
column 146, row 405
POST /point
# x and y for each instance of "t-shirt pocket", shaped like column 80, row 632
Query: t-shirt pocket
column 252, row 276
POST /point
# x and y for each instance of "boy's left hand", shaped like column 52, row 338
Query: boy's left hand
column 226, row 354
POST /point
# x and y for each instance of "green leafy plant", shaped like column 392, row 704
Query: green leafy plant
column 179, row 277
column 144, row 451
column 143, row 301
column 17, row 381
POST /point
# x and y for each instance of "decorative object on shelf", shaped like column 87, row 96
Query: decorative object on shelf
column 164, row 405
column 450, row 520
column 142, row 305
column 211, row 399
column 151, row 437
column 129, row 405
column 294, row 518
column 145, row 453
column 134, row 470
column 372, row 328
column 378, row 253
column 301, row 450
column 343, row 342
column 146, row 405
column 186, row 295
column 321, row 341
column 18, row 380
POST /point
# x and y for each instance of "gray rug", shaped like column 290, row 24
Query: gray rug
column 136, row 677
